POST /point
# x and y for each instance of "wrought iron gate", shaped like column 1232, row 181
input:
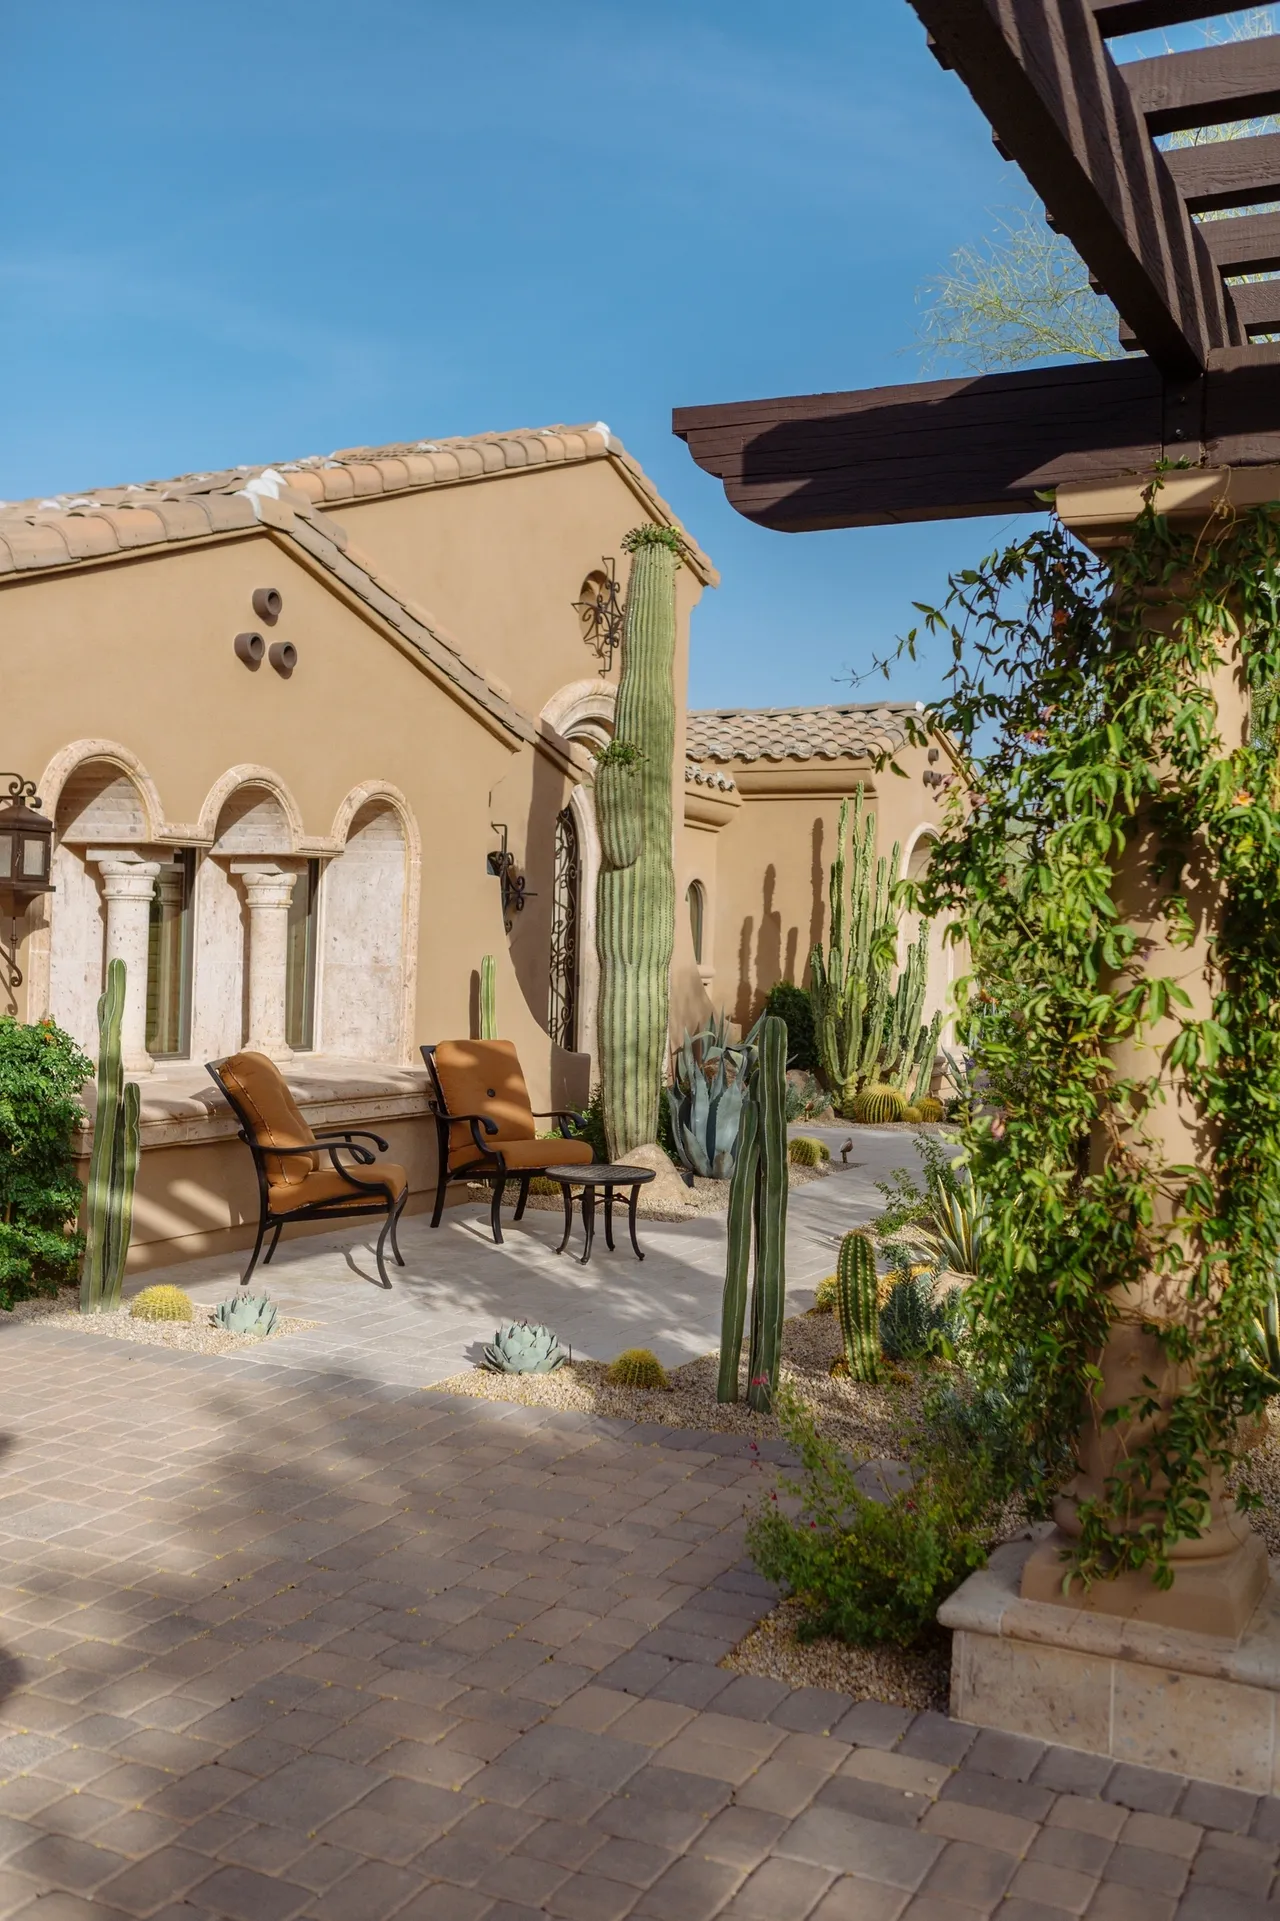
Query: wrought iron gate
column 562, row 1003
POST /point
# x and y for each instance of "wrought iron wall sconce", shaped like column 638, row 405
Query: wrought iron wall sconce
column 602, row 611
column 26, row 844
column 513, row 890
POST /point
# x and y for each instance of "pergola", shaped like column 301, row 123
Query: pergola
column 1202, row 389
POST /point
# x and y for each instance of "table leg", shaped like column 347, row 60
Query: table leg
column 631, row 1220
column 608, row 1217
column 567, row 1195
column 588, row 1221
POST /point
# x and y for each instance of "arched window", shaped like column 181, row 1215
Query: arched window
column 697, row 902
column 562, row 1009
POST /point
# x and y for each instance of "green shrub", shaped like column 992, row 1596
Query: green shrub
column 824, row 1295
column 805, row 1098
column 870, row 1571
column 41, row 1074
column 792, row 1005
column 912, row 1323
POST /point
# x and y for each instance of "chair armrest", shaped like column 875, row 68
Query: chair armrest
column 563, row 1114
column 361, row 1155
column 351, row 1134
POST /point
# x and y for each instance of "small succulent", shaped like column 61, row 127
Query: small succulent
column 247, row 1314
column 637, row 1367
column 879, row 1103
column 805, row 1150
column 517, row 1348
column 824, row 1295
column 162, row 1304
column 930, row 1109
column 913, row 1114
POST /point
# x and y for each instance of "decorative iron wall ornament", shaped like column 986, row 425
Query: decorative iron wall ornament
column 562, row 1000
column 600, row 610
column 503, row 864
column 26, row 843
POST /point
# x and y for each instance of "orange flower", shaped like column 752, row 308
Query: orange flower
column 1242, row 799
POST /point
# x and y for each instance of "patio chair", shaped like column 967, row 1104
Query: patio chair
column 478, row 1085
column 292, row 1184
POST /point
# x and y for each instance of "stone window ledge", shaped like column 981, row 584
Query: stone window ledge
column 181, row 1105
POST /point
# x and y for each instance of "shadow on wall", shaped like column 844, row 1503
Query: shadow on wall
column 765, row 955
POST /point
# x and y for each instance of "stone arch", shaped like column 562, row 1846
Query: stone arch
column 583, row 710
column 278, row 817
column 369, row 927
column 97, row 793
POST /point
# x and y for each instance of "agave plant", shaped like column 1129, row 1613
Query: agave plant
column 950, row 1238
column 247, row 1314
column 517, row 1348
column 710, row 1075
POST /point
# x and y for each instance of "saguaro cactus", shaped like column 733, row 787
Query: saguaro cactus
column 488, row 999
column 113, row 1164
column 857, row 1306
column 636, row 893
column 866, row 1030
column 758, row 1206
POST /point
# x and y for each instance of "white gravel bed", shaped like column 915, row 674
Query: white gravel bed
column 198, row 1336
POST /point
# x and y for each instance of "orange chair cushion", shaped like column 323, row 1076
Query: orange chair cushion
column 327, row 1185
column 519, row 1155
column 273, row 1117
column 484, row 1077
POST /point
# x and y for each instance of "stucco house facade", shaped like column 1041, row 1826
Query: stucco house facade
column 288, row 721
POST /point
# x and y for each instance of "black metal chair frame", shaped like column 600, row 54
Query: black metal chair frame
column 490, row 1164
column 334, row 1140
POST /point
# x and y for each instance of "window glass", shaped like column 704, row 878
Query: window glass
column 694, row 898
column 300, row 965
column 169, row 958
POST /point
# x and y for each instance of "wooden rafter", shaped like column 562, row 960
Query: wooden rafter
column 1227, row 173
column 1041, row 73
column 1210, row 87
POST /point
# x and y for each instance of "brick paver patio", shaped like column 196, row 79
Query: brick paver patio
column 276, row 1645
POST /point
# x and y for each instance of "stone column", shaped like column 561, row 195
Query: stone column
column 129, row 885
column 269, row 889
column 1220, row 1575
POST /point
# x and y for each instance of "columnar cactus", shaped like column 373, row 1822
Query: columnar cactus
column 868, row 1032
column 488, row 999
column 113, row 1164
column 758, row 1201
column 636, row 894
column 857, row 1306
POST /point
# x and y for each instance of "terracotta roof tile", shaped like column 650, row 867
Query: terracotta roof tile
column 852, row 732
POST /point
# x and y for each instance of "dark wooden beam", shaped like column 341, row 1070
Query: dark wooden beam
column 1141, row 16
column 1242, row 407
column 1258, row 305
column 1210, row 87
column 1227, row 173
column 1040, row 72
column 1244, row 244
column 934, row 450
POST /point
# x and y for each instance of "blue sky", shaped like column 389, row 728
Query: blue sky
column 242, row 233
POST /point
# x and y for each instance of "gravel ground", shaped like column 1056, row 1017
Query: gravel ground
column 914, row 1678
column 873, row 1420
column 199, row 1336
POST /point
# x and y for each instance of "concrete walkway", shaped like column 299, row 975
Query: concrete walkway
column 456, row 1285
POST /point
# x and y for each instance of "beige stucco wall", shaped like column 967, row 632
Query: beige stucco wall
column 132, row 660
column 772, row 864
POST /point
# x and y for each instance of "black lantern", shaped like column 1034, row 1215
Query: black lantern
column 26, row 840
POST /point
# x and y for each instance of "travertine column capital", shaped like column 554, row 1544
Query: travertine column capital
column 128, row 883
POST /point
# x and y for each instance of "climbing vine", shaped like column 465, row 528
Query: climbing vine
column 1081, row 698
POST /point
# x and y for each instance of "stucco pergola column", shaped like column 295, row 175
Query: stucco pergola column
column 1221, row 1575
column 128, row 882
column 269, row 890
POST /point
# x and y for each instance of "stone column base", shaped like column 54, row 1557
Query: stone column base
column 1162, row 1697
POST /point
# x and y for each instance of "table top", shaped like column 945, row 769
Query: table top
column 601, row 1174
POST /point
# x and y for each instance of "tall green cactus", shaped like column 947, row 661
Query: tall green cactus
column 113, row 1164
column 488, row 999
column 758, row 1201
column 857, row 1305
column 867, row 1030
column 636, row 893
